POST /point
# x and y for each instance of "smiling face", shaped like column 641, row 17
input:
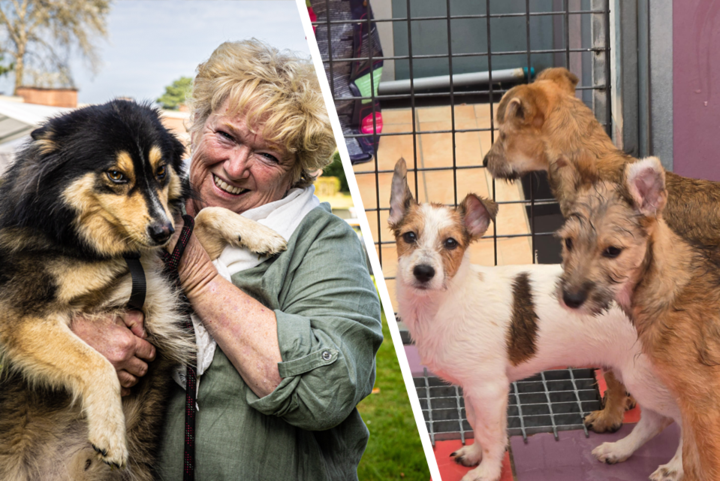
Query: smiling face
column 234, row 167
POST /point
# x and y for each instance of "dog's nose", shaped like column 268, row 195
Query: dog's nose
column 574, row 299
column 424, row 272
column 160, row 232
column 485, row 160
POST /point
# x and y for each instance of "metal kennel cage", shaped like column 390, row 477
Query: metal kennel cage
column 573, row 33
column 455, row 59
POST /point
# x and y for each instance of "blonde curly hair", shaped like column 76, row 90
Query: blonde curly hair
column 280, row 93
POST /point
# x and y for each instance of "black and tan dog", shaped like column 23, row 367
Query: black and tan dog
column 92, row 186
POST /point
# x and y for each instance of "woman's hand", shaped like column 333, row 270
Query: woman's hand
column 121, row 339
column 196, row 269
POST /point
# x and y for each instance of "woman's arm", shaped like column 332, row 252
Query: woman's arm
column 244, row 329
column 328, row 327
column 311, row 361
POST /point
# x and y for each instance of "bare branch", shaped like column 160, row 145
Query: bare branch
column 41, row 35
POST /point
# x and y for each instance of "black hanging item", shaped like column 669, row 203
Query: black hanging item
column 139, row 285
column 172, row 261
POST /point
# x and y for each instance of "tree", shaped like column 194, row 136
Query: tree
column 41, row 35
column 175, row 93
column 335, row 169
column 4, row 70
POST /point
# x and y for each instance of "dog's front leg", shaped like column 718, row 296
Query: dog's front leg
column 47, row 352
column 216, row 227
column 486, row 410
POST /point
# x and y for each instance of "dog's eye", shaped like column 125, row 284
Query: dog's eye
column 612, row 252
column 116, row 176
column 450, row 243
column 409, row 237
column 568, row 243
column 161, row 172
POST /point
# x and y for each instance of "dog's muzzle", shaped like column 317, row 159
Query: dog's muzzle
column 424, row 273
column 575, row 299
column 160, row 232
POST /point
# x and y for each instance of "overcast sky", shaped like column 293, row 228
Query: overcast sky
column 153, row 42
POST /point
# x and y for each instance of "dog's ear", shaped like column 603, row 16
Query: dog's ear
column 564, row 78
column 400, row 196
column 43, row 139
column 477, row 212
column 566, row 177
column 645, row 182
column 525, row 108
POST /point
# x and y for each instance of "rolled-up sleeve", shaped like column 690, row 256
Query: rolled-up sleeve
column 329, row 330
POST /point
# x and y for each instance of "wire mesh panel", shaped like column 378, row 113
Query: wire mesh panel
column 445, row 66
column 548, row 402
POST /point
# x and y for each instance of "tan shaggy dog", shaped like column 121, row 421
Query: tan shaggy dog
column 542, row 122
column 617, row 246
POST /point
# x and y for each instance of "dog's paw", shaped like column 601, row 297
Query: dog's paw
column 610, row 453
column 603, row 421
column 262, row 241
column 108, row 441
column 484, row 472
column 470, row 455
column 672, row 471
column 110, row 453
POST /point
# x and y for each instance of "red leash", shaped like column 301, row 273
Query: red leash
column 171, row 268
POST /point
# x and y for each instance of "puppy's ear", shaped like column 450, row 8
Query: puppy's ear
column 564, row 78
column 400, row 196
column 566, row 177
column 525, row 108
column 477, row 213
column 645, row 182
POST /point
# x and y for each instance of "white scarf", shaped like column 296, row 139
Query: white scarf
column 283, row 216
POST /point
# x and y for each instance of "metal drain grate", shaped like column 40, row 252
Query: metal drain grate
column 548, row 402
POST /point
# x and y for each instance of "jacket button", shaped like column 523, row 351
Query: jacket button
column 326, row 355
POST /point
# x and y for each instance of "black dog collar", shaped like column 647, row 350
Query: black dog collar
column 139, row 285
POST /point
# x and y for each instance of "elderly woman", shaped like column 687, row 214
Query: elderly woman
column 296, row 333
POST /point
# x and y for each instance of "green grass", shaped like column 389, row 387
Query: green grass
column 394, row 450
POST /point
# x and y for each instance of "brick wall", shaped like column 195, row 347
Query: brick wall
column 51, row 97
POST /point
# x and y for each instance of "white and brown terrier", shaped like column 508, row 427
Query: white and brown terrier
column 484, row 327
column 618, row 247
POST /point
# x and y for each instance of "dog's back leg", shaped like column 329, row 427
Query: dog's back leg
column 43, row 436
column 615, row 402
column 650, row 425
column 217, row 227
column 48, row 353
column 673, row 470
